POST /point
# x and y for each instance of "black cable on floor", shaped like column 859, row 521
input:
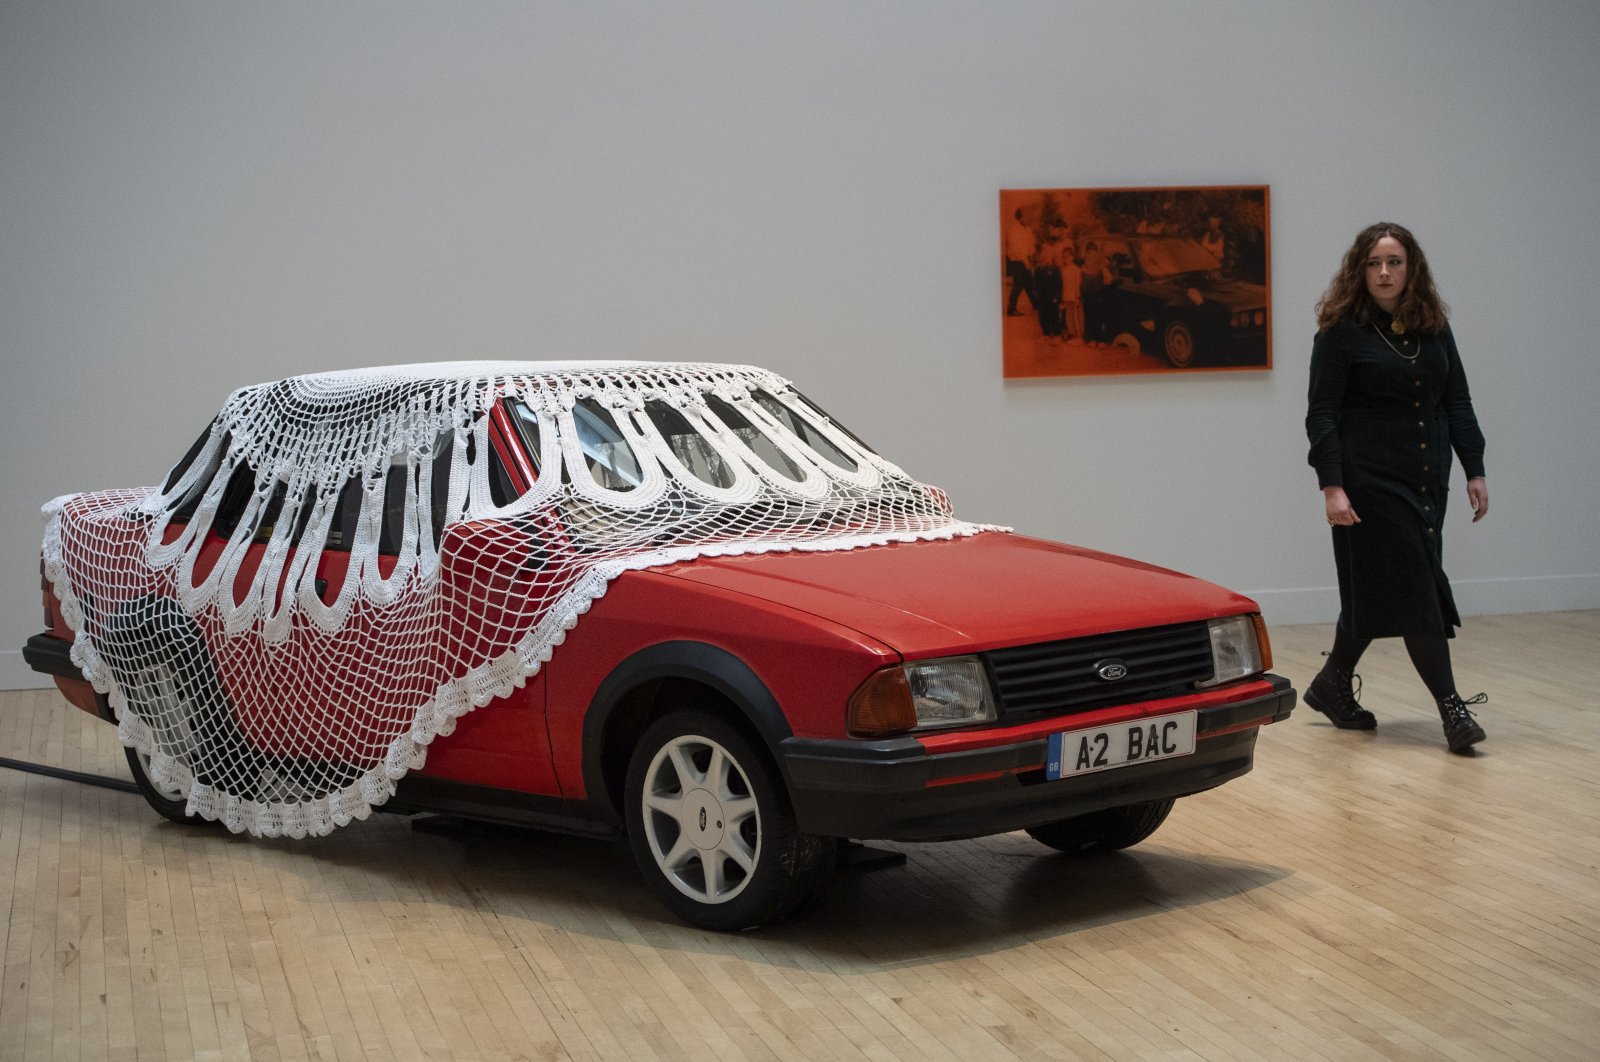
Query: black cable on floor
column 120, row 785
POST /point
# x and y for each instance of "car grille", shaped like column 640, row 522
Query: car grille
column 1058, row 678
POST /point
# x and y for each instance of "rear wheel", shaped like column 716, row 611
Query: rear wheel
column 712, row 828
column 169, row 801
column 162, row 662
column 155, row 690
column 1104, row 831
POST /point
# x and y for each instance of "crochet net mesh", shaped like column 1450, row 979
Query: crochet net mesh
column 347, row 563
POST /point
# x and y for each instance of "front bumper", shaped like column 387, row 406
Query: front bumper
column 896, row 790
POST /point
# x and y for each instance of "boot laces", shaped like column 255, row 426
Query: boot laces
column 1456, row 707
column 1349, row 691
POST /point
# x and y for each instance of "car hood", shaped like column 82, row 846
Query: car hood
column 969, row 594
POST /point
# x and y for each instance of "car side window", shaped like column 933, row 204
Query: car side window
column 1119, row 257
column 346, row 513
column 235, row 496
column 402, row 479
column 397, row 483
column 183, row 507
column 444, row 449
column 273, row 510
column 527, row 425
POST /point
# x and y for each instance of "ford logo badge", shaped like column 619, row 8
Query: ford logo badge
column 1111, row 670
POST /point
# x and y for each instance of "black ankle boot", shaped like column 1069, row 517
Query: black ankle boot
column 1461, row 731
column 1333, row 694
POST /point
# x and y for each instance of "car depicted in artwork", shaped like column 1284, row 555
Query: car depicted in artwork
column 1168, row 296
column 674, row 602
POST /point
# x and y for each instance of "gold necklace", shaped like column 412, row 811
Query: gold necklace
column 1391, row 346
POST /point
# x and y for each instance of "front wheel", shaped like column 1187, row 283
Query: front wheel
column 1178, row 343
column 712, row 828
column 1104, row 831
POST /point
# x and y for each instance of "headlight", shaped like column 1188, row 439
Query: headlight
column 926, row 695
column 1239, row 647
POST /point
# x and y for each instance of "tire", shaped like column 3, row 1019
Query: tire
column 169, row 803
column 712, row 828
column 164, row 667
column 1177, row 342
column 155, row 690
column 1104, row 831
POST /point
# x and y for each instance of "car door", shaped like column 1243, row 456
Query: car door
column 493, row 576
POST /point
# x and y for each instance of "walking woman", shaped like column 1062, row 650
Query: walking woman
column 1388, row 404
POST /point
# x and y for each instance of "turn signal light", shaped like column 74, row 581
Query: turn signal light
column 882, row 705
column 1263, row 640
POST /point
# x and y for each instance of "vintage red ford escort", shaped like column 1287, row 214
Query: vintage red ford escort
column 675, row 601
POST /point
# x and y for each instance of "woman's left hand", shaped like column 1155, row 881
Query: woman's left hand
column 1478, row 496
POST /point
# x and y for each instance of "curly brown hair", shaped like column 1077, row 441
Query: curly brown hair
column 1420, row 309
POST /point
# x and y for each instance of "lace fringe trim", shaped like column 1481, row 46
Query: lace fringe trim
column 437, row 718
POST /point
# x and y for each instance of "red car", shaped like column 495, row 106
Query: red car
column 674, row 601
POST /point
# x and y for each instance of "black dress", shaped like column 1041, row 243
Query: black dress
column 1385, row 412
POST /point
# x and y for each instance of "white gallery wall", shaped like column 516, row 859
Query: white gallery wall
column 196, row 196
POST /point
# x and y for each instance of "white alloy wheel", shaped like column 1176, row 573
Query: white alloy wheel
column 701, row 819
column 712, row 827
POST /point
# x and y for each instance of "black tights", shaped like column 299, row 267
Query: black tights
column 1430, row 655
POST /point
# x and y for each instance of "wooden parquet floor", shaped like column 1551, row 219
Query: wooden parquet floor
column 1358, row 896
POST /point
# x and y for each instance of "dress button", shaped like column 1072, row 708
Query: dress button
column 1424, row 468
column 1416, row 405
column 1420, row 424
column 1430, row 530
column 1423, row 445
column 1427, row 508
column 1416, row 383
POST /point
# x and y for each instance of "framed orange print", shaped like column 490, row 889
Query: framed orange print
column 1108, row 281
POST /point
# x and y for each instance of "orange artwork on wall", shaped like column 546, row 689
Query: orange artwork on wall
column 1112, row 281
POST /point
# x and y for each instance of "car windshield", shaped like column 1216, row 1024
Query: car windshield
column 698, row 457
column 804, row 432
column 611, row 460
column 1164, row 258
column 758, row 442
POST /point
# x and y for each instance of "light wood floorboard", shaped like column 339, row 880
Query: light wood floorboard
column 1359, row 896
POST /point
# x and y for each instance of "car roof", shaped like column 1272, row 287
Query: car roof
column 462, row 384
column 465, row 371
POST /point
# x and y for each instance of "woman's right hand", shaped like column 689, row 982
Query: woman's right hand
column 1337, row 504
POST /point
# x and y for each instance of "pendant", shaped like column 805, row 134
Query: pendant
column 1397, row 327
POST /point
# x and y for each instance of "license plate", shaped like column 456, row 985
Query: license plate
column 1160, row 737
